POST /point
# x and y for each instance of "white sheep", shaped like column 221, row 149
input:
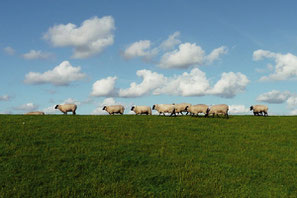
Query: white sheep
column 165, row 108
column 142, row 110
column 114, row 109
column 218, row 109
column 259, row 110
column 35, row 113
column 196, row 109
column 180, row 108
column 67, row 108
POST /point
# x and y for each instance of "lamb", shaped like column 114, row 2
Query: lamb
column 196, row 109
column 165, row 108
column 114, row 109
column 67, row 108
column 259, row 110
column 218, row 109
column 142, row 110
column 35, row 113
column 180, row 108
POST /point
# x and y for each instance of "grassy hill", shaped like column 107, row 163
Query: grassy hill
column 146, row 156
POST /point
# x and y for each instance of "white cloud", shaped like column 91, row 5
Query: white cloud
column 71, row 101
column 285, row 65
column 33, row 54
column 151, row 80
column 230, row 84
column 27, row 107
column 62, row 74
column 104, row 87
column 50, row 110
column 274, row 97
column 171, row 42
column 215, row 54
column 194, row 83
column 92, row 37
column 238, row 109
column 293, row 112
column 5, row 98
column 189, row 55
column 292, row 101
column 140, row 49
column 9, row 50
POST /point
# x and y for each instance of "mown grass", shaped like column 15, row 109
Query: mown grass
column 147, row 156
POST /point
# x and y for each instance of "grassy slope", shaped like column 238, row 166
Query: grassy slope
column 148, row 156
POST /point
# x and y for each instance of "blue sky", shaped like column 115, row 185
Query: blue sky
column 147, row 52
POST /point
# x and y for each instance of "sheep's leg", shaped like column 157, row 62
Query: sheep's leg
column 73, row 113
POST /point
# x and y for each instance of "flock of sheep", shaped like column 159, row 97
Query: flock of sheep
column 171, row 109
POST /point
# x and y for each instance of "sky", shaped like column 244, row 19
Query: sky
column 97, row 53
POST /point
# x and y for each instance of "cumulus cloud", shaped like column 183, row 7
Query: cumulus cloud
column 151, row 80
column 71, row 101
column 230, row 84
column 194, row 83
column 140, row 49
column 33, row 54
column 171, row 42
column 292, row 101
column 9, row 50
column 62, row 74
column 104, row 87
column 238, row 109
column 27, row 107
column 285, row 67
column 50, row 110
column 216, row 53
column 5, row 98
column 274, row 97
column 92, row 37
column 189, row 55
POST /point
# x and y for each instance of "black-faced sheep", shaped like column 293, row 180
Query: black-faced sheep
column 142, row 110
column 218, row 109
column 114, row 109
column 259, row 110
column 165, row 108
column 67, row 108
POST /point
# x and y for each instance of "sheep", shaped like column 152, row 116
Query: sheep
column 196, row 109
column 67, row 108
column 218, row 109
column 259, row 110
column 142, row 110
column 165, row 108
column 114, row 109
column 180, row 108
column 35, row 113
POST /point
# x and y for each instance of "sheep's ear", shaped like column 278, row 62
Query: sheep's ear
column 56, row 106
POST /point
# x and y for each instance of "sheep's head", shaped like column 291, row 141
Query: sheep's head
column 186, row 108
column 56, row 107
column 251, row 108
column 154, row 107
column 207, row 111
column 132, row 108
column 104, row 108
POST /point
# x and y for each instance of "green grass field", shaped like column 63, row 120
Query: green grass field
column 147, row 156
